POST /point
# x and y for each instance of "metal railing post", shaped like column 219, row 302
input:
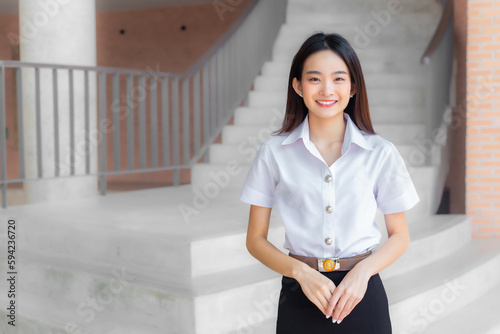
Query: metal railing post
column 3, row 145
column 102, row 134
column 175, row 130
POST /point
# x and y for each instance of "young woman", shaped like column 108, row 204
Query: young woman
column 328, row 171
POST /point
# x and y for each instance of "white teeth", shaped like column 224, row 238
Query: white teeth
column 325, row 103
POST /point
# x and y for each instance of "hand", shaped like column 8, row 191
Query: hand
column 348, row 294
column 317, row 288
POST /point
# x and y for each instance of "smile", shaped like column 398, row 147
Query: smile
column 326, row 104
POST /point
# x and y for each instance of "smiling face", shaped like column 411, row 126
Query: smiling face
column 325, row 84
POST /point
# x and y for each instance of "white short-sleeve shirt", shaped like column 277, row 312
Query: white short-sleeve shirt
column 329, row 211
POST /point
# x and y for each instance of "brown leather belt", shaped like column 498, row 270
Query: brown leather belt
column 332, row 264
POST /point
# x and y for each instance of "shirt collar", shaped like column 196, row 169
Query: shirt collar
column 352, row 134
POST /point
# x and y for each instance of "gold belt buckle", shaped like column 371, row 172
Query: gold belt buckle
column 328, row 264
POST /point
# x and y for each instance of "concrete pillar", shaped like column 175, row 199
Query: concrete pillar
column 58, row 32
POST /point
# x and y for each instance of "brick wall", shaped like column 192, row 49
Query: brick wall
column 483, row 118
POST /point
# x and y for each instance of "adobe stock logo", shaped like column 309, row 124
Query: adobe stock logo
column 373, row 28
column 222, row 7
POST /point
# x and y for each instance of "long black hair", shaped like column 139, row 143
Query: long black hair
column 358, row 110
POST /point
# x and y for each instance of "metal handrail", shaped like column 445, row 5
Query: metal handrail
column 107, row 69
column 207, row 95
column 438, row 33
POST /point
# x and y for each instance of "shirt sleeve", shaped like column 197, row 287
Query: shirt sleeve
column 394, row 189
column 260, row 183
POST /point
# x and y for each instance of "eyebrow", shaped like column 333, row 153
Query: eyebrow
column 318, row 72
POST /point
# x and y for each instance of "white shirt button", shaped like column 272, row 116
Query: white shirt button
column 328, row 178
column 329, row 209
column 328, row 241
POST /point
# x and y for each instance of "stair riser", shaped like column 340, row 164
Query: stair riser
column 94, row 297
column 138, row 251
column 414, row 314
column 426, row 250
column 380, row 17
column 238, row 308
column 404, row 7
column 212, row 255
column 380, row 3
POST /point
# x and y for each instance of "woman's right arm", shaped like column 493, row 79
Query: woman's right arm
column 315, row 285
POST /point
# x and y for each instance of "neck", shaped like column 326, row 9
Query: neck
column 327, row 131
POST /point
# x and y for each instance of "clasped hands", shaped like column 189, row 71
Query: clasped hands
column 336, row 302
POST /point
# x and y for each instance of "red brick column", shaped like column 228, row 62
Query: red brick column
column 483, row 118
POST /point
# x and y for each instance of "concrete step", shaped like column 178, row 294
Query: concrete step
column 147, row 300
column 209, row 304
column 257, row 325
column 434, row 291
column 361, row 17
column 432, row 237
column 478, row 317
column 40, row 316
column 360, row 36
column 403, row 5
column 156, row 233
column 58, row 300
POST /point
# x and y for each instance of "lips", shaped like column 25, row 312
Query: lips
column 325, row 103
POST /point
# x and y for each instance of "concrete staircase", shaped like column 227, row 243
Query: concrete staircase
column 173, row 260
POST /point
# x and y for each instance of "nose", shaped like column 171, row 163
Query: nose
column 328, row 88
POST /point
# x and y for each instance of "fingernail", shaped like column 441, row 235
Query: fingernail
column 339, row 321
column 327, row 316
column 334, row 320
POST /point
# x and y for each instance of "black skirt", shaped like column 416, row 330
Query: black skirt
column 298, row 315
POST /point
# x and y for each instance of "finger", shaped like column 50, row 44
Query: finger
column 332, row 303
column 319, row 304
column 347, row 309
column 324, row 304
column 340, row 306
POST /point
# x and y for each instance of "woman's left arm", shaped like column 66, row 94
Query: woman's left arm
column 353, row 286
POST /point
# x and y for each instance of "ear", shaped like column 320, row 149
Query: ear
column 297, row 86
column 354, row 90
